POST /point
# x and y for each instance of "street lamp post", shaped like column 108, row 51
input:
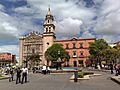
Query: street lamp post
column 26, row 62
column 59, row 60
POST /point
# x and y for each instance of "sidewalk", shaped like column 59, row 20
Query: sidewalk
column 4, row 77
column 116, row 79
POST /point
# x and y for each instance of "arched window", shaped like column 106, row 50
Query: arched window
column 49, row 29
column 46, row 29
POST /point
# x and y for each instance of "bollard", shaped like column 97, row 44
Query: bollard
column 75, row 76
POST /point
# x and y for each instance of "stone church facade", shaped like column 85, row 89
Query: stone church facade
column 38, row 43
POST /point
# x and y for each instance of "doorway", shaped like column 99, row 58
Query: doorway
column 75, row 63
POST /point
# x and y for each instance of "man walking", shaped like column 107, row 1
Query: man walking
column 11, row 74
column 24, row 74
column 18, row 75
column 111, row 67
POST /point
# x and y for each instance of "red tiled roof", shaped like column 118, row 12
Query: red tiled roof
column 75, row 39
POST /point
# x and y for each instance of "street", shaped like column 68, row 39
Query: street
column 61, row 82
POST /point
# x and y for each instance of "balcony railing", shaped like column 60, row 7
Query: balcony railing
column 74, row 56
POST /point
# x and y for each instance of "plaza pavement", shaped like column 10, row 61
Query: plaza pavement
column 62, row 82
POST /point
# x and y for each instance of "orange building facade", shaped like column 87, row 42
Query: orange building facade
column 7, row 58
column 77, row 49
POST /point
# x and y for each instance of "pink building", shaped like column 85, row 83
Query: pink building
column 7, row 58
column 77, row 49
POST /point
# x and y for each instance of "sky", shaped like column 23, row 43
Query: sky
column 73, row 18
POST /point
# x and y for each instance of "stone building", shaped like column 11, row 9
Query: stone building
column 30, row 44
column 39, row 43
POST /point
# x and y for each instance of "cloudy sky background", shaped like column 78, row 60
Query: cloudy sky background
column 78, row 18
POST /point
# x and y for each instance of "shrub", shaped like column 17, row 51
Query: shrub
column 87, row 73
column 80, row 75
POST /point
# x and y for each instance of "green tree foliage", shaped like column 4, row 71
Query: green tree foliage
column 101, row 51
column 96, row 50
column 117, row 47
column 56, row 51
column 110, row 54
column 34, row 59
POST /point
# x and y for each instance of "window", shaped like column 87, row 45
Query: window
column 48, row 21
column 80, row 61
column 33, row 50
column 81, row 52
column 67, row 46
column 81, row 45
column 47, row 43
column 74, row 53
column 46, row 29
column 49, row 29
column 74, row 46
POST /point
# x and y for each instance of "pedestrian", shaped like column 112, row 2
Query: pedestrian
column 119, row 69
column 111, row 68
column 11, row 71
column 44, row 69
column 18, row 75
column 33, row 69
column 48, row 70
column 116, row 69
column 24, row 74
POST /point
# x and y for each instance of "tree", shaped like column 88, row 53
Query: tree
column 54, row 52
column 96, row 50
column 67, row 57
column 117, row 47
column 34, row 59
column 110, row 54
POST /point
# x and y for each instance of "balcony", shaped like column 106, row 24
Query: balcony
column 82, row 56
column 74, row 56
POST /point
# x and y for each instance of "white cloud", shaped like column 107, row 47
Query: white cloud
column 108, row 22
column 1, row 7
column 68, row 26
column 10, row 48
column 14, row 26
column 110, row 38
column 7, row 29
column 26, row 9
column 87, row 34
column 62, row 9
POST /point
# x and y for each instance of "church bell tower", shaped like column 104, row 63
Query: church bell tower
column 49, row 33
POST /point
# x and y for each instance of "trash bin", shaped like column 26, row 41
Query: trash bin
column 75, row 76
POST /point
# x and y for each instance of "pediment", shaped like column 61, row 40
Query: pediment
column 33, row 35
column 74, row 39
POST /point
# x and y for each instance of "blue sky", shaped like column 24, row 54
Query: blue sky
column 78, row 18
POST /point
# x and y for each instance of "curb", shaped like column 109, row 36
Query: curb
column 4, row 77
column 86, row 77
column 102, row 70
column 116, row 79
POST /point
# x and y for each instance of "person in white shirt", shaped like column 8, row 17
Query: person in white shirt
column 44, row 69
column 48, row 70
column 24, row 74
